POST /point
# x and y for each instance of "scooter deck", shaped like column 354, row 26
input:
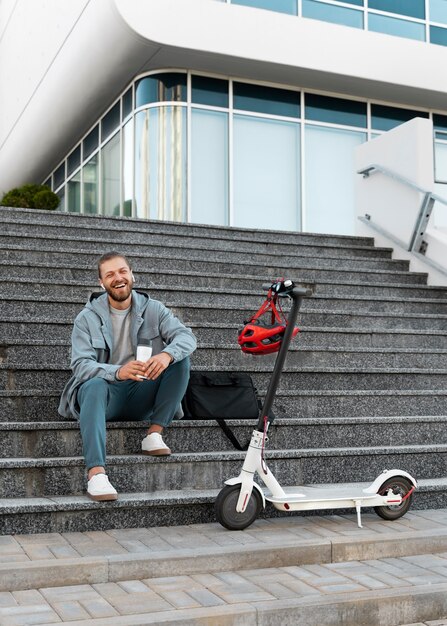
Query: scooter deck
column 303, row 494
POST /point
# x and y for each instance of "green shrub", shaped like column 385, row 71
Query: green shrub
column 31, row 197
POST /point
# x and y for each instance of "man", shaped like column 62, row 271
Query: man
column 108, row 383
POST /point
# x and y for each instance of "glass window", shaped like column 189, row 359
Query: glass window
column 280, row 6
column 385, row 117
column 211, row 91
column 438, row 11
column 90, row 180
column 127, row 103
column 358, row 3
column 330, row 166
column 160, row 163
column 59, row 175
column 61, row 194
column 47, row 183
column 332, row 13
column 169, row 87
column 441, row 167
column 266, row 165
column 209, row 167
column 335, row 110
column 127, row 167
column 74, row 193
column 111, row 121
column 260, row 99
column 395, row 26
column 439, row 122
column 412, row 8
column 110, row 177
column 73, row 160
column 91, row 142
column 438, row 35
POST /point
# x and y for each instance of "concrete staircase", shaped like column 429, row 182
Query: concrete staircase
column 364, row 387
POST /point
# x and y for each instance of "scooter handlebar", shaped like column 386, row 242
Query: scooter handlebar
column 296, row 292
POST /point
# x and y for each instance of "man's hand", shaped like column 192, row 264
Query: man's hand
column 139, row 370
column 157, row 364
column 132, row 370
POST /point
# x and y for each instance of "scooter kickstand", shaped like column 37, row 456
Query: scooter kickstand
column 358, row 506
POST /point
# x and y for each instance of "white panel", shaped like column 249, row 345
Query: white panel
column 408, row 151
column 36, row 32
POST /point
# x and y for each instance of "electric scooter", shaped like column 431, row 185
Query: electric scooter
column 241, row 500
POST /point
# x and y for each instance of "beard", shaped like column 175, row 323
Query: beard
column 120, row 295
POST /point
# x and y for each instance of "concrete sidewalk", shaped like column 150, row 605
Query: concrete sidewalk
column 316, row 570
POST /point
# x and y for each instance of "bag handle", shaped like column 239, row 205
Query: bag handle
column 231, row 381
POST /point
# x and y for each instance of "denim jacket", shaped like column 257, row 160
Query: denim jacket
column 92, row 341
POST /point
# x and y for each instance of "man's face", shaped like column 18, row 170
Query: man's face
column 116, row 277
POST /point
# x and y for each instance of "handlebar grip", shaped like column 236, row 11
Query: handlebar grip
column 297, row 291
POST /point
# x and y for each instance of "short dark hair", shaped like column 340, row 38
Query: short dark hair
column 108, row 256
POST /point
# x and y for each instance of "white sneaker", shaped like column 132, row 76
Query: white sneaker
column 154, row 445
column 99, row 488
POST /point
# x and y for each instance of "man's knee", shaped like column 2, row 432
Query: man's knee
column 92, row 389
column 182, row 367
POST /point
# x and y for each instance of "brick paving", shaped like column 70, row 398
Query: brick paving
column 32, row 548
column 176, row 593
column 234, row 594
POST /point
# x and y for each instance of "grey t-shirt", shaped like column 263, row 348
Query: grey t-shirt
column 122, row 346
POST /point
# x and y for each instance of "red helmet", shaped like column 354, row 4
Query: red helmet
column 258, row 337
column 261, row 337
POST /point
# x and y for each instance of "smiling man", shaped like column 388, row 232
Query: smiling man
column 108, row 383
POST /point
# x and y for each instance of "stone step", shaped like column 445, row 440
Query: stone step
column 24, row 330
column 324, row 281
column 50, row 291
column 331, row 338
column 190, row 311
column 38, row 219
column 50, row 476
column 21, row 274
column 196, row 313
column 52, row 375
column 35, row 405
column 71, row 514
column 60, row 237
column 285, row 262
column 225, row 354
column 62, row 439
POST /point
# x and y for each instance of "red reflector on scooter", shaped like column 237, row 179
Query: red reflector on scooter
column 286, row 506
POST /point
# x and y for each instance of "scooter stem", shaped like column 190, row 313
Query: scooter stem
column 297, row 294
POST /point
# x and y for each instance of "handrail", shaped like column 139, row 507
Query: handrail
column 416, row 245
column 375, row 167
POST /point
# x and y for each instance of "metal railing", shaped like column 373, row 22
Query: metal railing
column 417, row 244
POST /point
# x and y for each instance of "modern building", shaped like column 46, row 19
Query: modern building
column 230, row 112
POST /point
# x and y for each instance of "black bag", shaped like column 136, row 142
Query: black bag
column 221, row 396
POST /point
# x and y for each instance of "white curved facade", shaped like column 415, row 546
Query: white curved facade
column 66, row 63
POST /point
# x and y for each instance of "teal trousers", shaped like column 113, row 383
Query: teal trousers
column 151, row 401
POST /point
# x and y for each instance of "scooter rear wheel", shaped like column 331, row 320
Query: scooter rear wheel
column 402, row 486
column 225, row 508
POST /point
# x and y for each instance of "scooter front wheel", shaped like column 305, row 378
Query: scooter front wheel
column 400, row 486
column 225, row 508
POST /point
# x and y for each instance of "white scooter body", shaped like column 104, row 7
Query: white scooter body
column 298, row 498
column 302, row 498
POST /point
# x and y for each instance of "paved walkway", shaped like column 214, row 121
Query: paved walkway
column 279, row 571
